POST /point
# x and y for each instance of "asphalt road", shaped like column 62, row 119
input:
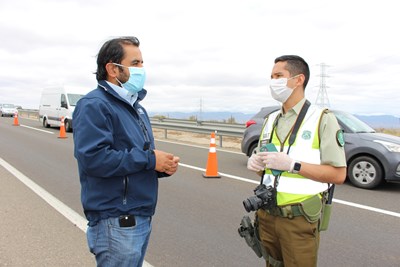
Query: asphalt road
column 197, row 218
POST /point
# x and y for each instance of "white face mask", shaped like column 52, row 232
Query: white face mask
column 279, row 90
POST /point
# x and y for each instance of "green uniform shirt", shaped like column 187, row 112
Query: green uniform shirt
column 332, row 153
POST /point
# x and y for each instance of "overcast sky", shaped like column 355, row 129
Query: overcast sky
column 216, row 52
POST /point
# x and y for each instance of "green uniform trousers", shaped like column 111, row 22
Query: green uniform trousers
column 294, row 241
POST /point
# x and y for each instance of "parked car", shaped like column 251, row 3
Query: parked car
column 372, row 158
column 7, row 110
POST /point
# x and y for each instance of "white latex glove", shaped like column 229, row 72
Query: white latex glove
column 277, row 161
column 255, row 163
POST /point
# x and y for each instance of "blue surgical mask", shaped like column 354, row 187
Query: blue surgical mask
column 136, row 80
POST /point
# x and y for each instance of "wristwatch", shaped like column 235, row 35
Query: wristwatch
column 296, row 167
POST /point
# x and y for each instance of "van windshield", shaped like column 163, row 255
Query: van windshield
column 8, row 105
column 73, row 98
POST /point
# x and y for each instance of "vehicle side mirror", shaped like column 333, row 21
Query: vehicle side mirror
column 64, row 105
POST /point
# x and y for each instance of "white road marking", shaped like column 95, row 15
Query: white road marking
column 81, row 222
column 343, row 202
column 221, row 173
column 391, row 213
column 68, row 213
column 33, row 128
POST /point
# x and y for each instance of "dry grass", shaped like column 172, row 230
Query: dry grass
column 231, row 143
column 391, row 131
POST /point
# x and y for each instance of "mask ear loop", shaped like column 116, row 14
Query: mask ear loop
column 293, row 78
column 119, row 82
column 119, row 65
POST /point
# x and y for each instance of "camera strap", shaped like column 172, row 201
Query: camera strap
column 293, row 134
column 297, row 124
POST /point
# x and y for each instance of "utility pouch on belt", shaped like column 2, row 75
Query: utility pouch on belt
column 326, row 216
column 311, row 208
column 327, row 209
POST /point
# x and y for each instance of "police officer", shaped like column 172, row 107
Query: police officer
column 290, row 231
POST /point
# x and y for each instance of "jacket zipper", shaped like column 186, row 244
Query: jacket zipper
column 126, row 180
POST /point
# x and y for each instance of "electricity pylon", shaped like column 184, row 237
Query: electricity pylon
column 322, row 97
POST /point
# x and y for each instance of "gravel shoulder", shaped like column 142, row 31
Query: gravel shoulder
column 228, row 143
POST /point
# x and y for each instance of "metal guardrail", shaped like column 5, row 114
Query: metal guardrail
column 29, row 113
column 199, row 123
column 203, row 127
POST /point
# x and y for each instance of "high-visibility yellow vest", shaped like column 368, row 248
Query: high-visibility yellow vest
column 294, row 188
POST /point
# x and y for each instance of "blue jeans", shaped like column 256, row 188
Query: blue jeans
column 119, row 246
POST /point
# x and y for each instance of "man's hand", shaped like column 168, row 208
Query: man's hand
column 166, row 162
column 255, row 163
column 277, row 160
column 174, row 167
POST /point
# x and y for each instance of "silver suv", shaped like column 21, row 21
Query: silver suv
column 372, row 157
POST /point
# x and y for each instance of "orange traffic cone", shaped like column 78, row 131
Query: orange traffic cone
column 62, row 129
column 16, row 123
column 212, row 164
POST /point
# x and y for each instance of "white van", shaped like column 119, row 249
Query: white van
column 57, row 102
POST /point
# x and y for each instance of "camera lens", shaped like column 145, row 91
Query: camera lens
column 252, row 203
column 247, row 205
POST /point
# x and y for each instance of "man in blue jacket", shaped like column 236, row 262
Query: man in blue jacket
column 118, row 164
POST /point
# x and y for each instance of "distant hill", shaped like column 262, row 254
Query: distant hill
column 206, row 116
column 380, row 121
column 375, row 121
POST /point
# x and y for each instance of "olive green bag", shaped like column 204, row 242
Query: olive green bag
column 311, row 208
column 327, row 208
column 315, row 208
column 325, row 217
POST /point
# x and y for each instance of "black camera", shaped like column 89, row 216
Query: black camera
column 265, row 197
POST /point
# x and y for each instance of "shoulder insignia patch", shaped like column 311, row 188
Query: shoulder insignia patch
column 340, row 138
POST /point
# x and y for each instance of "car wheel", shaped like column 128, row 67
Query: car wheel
column 45, row 124
column 67, row 125
column 252, row 149
column 365, row 172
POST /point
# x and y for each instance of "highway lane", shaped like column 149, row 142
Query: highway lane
column 40, row 155
column 197, row 218
column 356, row 237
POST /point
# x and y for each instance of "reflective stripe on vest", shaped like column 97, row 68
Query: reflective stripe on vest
column 294, row 188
